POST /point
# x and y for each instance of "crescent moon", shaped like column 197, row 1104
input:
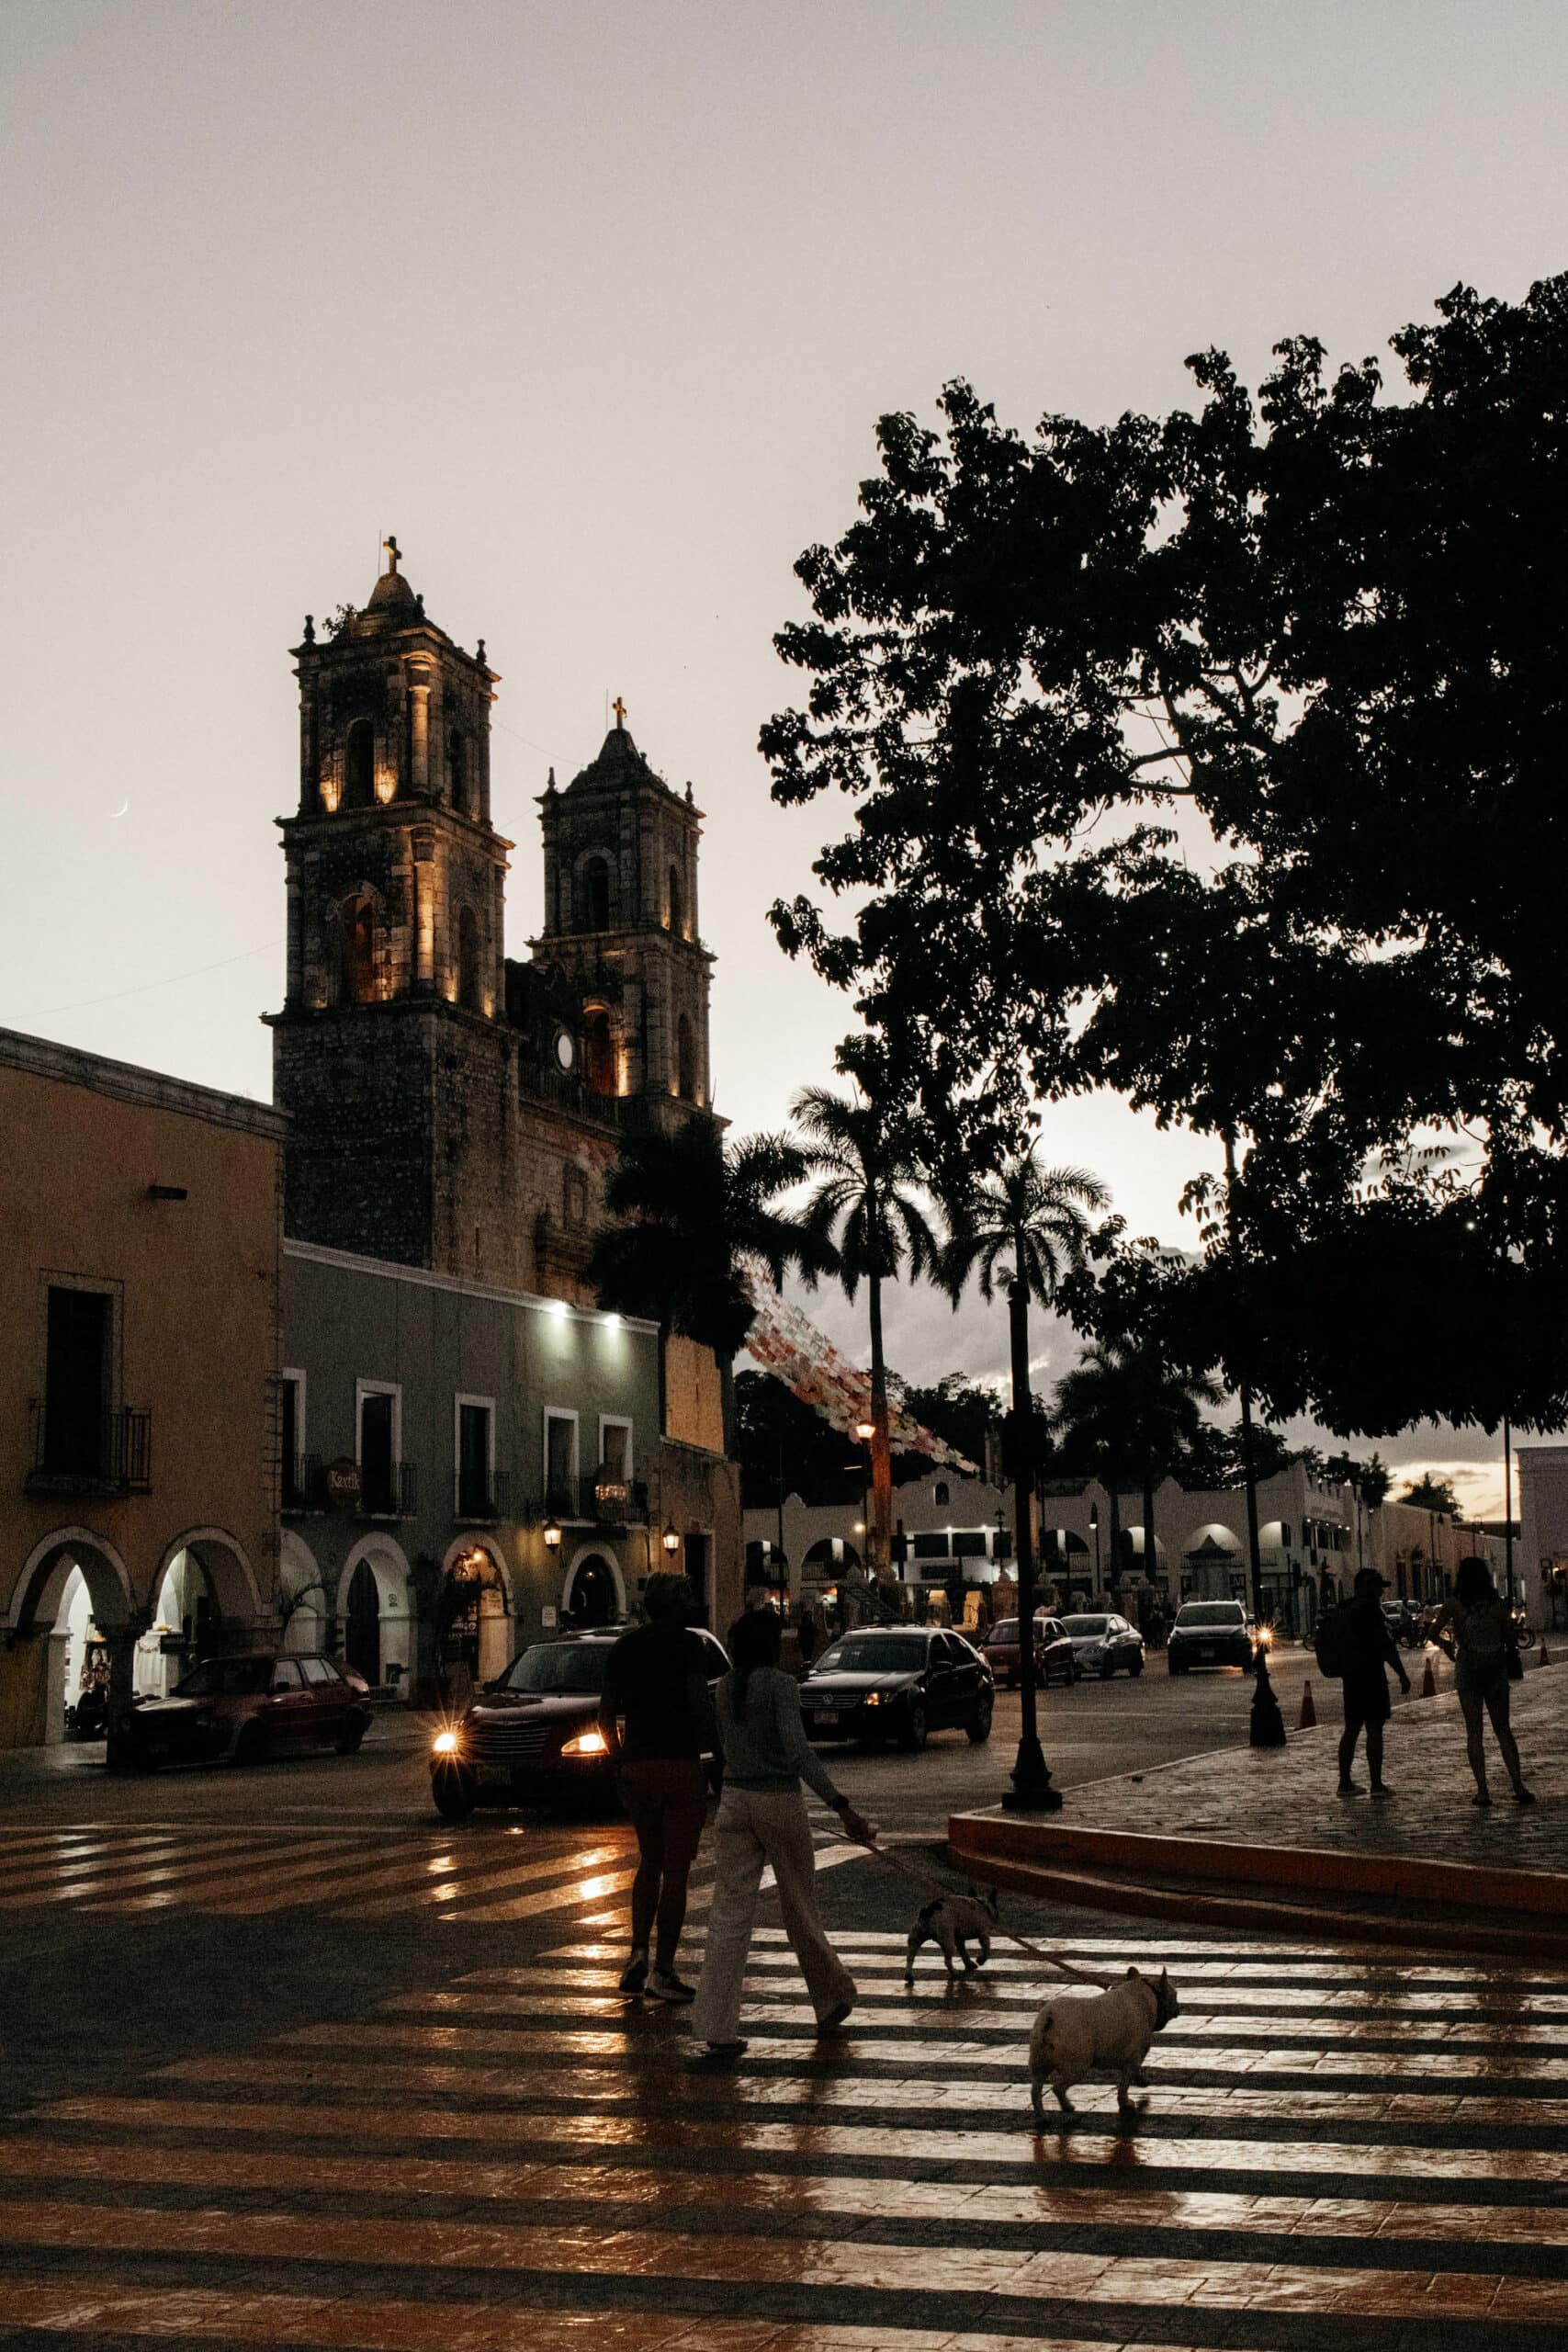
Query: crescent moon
column 119, row 812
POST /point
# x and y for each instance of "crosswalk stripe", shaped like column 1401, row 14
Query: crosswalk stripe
column 490, row 1881
column 1072, row 2147
column 210, row 1878
column 531, row 1906
column 965, row 2087
column 526, row 2181
column 169, row 1865
column 42, row 1875
column 862, row 2263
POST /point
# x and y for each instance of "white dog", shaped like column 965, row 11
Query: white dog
column 952, row 1920
column 1077, row 2034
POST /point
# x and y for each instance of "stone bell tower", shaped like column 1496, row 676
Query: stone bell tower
column 389, row 1053
column 621, row 923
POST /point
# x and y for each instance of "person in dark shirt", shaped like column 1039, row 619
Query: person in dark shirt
column 656, row 1717
column 1366, row 1684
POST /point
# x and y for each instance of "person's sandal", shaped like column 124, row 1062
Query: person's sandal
column 1481, row 1796
column 1523, row 1796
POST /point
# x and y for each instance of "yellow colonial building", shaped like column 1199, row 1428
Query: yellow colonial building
column 139, row 1360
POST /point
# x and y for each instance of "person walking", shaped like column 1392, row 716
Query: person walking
column 762, row 1819
column 1366, row 1684
column 1476, row 1629
column 657, row 1719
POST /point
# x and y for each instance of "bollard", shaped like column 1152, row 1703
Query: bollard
column 1543, row 1659
column 1429, row 1682
column 1309, row 1712
column 1268, row 1726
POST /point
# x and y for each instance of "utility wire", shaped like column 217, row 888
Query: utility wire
column 80, row 1003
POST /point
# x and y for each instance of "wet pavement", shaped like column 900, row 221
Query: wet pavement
column 1288, row 1797
column 443, row 2127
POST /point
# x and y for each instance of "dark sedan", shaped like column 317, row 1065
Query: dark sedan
column 1210, row 1633
column 249, row 1708
column 897, row 1682
column 1054, row 1659
column 533, row 1736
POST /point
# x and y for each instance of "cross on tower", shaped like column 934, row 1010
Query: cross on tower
column 393, row 553
column 618, row 707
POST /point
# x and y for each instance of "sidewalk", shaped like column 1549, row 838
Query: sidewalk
column 1239, row 1830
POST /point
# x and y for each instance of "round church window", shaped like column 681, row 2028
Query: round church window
column 565, row 1049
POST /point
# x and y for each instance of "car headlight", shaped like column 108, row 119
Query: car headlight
column 873, row 1699
column 1264, row 1637
column 587, row 1743
column 445, row 1743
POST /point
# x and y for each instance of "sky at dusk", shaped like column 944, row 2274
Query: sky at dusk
column 595, row 308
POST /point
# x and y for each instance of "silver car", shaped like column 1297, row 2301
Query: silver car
column 1104, row 1644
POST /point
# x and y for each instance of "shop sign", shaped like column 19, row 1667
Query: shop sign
column 342, row 1482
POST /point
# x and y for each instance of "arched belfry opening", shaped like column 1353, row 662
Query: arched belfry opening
column 361, row 972
column 468, row 992
column 359, row 766
column 601, row 1061
column 595, row 907
column 458, row 776
column 677, row 904
column 685, row 1059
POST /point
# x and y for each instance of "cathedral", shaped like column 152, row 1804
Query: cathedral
column 450, row 1108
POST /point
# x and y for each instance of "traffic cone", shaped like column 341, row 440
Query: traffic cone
column 1429, row 1682
column 1309, row 1712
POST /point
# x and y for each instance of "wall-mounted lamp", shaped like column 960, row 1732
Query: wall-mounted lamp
column 670, row 1541
column 552, row 1535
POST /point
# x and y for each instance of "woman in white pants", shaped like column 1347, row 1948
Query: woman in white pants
column 762, row 1820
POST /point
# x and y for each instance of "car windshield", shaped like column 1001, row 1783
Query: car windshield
column 1078, row 1627
column 1004, row 1630
column 560, row 1666
column 1210, row 1612
column 875, row 1653
column 226, row 1677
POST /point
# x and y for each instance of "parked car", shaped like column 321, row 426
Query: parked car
column 1105, row 1645
column 533, row 1735
column 1054, row 1659
column 264, row 1704
column 897, row 1682
column 1211, row 1632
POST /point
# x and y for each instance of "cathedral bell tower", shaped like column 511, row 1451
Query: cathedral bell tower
column 621, row 923
column 390, row 1042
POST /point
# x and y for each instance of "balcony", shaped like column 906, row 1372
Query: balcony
column 110, row 1456
column 387, row 1490
column 304, row 1486
column 482, row 1502
column 600, row 1501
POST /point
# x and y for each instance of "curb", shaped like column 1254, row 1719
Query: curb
column 1461, row 1906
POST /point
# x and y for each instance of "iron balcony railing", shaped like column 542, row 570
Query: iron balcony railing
column 304, row 1487
column 600, row 1498
column 110, row 1455
column 392, row 1492
column 482, row 1501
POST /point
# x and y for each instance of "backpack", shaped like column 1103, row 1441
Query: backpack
column 1334, row 1643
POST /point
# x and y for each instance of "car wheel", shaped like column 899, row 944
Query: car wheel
column 1108, row 1669
column 455, row 1794
column 1171, row 1665
column 1134, row 1666
column 980, row 1728
column 714, row 1774
column 253, row 1746
column 350, row 1742
column 913, row 1734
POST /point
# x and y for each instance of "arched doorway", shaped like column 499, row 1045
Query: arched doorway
column 359, row 766
column 362, row 1624
column 302, row 1593
column 71, row 1575
column 594, row 1592
column 389, row 1573
column 600, row 1055
column 474, row 1622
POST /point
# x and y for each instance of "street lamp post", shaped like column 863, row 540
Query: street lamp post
column 1032, row 1790
column 1094, row 1530
column 866, row 1432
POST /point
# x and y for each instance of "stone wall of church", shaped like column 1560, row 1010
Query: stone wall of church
column 358, row 1172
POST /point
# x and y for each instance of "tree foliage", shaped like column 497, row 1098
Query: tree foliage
column 696, row 1210
column 1211, row 759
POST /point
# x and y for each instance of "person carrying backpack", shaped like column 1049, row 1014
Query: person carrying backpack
column 1367, row 1647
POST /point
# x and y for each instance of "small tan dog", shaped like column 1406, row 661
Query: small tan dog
column 1079, row 2034
column 952, row 1922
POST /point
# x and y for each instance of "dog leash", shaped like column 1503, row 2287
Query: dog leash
column 928, row 1879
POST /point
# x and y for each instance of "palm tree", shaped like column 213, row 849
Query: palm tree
column 1130, row 1413
column 1022, row 1227
column 697, row 1212
column 863, row 1214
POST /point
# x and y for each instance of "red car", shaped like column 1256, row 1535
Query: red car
column 1053, row 1659
column 262, row 1704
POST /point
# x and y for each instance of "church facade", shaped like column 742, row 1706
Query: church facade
column 451, row 1116
column 452, row 1108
